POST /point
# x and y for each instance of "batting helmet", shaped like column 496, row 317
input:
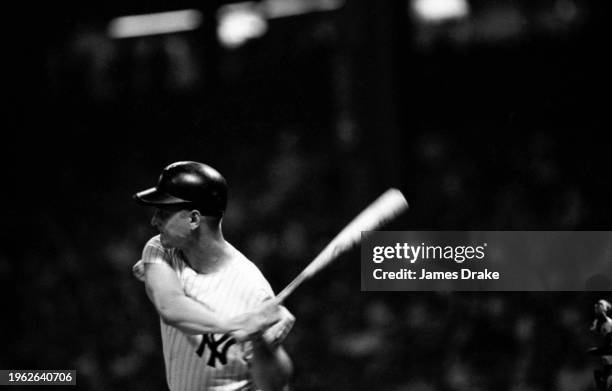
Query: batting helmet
column 188, row 183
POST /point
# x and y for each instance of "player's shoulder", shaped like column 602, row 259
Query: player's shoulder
column 242, row 262
column 155, row 252
column 247, row 268
column 155, row 242
column 155, row 246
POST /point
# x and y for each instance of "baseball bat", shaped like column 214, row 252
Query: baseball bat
column 384, row 209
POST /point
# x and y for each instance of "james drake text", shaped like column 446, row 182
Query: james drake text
column 424, row 274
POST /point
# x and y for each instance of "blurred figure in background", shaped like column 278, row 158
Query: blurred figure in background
column 602, row 324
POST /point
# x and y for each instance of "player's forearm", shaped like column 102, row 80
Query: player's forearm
column 194, row 326
column 271, row 367
column 192, row 317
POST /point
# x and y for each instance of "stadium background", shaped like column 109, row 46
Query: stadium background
column 493, row 120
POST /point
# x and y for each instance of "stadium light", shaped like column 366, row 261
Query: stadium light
column 285, row 8
column 239, row 22
column 440, row 10
column 157, row 23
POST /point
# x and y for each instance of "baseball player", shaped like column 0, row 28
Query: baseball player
column 220, row 324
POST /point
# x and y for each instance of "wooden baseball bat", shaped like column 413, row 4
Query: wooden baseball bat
column 386, row 207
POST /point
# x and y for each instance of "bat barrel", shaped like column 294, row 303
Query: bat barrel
column 385, row 208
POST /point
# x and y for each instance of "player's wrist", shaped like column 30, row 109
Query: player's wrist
column 246, row 327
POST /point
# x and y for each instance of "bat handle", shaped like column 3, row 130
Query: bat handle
column 311, row 269
column 315, row 265
column 289, row 289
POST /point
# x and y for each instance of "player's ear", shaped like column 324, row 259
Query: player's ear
column 195, row 218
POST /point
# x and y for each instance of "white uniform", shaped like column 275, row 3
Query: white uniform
column 211, row 361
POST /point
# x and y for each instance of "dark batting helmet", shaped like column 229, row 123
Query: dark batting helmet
column 191, row 184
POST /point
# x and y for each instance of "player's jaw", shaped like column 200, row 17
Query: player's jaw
column 172, row 225
column 170, row 238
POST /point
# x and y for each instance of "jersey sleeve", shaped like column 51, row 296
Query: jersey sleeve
column 261, row 290
column 154, row 252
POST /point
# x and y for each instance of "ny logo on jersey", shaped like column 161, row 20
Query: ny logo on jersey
column 218, row 348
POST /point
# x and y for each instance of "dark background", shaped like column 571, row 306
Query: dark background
column 497, row 121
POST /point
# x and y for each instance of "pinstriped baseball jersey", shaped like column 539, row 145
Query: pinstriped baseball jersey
column 211, row 361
